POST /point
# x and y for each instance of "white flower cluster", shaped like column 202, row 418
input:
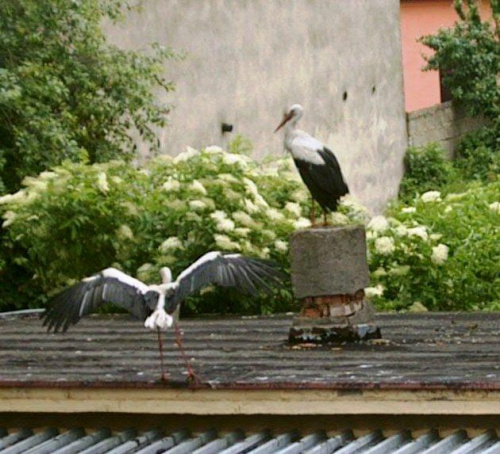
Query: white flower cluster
column 431, row 196
column 170, row 244
column 439, row 254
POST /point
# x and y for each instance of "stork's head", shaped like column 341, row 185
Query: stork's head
column 166, row 275
column 292, row 115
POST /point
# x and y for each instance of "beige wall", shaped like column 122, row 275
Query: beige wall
column 249, row 59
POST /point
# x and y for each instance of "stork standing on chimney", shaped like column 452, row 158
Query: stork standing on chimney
column 317, row 165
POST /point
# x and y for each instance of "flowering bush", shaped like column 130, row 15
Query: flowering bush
column 78, row 219
column 441, row 253
column 438, row 253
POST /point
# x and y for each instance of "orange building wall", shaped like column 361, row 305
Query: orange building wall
column 419, row 18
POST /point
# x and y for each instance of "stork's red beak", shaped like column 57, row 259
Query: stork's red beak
column 286, row 117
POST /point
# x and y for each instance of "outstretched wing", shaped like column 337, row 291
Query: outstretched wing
column 249, row 275
column 108, row 286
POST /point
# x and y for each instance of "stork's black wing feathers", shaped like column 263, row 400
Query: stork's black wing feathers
column 249, row 275
column 324, row 181
column 66, row 308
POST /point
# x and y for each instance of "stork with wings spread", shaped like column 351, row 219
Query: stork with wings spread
column 156, row 305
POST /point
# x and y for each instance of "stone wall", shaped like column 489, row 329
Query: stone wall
column 443, row 123
column 247, row 60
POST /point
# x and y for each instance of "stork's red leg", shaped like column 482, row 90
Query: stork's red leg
column 164, row 375
column 192, row 376
column 325, row 220
column 313, row 214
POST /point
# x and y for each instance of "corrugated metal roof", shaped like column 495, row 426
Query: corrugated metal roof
column 429, row 350
column 155, row 441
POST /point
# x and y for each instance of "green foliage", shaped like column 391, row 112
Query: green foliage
column 426, row 168
column 79, row 218
column 65, row 93
column 478, row 156
column 468, row 56
column 441, row 253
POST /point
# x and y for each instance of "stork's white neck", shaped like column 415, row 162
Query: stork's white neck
column 166, row 275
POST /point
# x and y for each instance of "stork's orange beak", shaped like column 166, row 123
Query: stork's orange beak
column 286, row 117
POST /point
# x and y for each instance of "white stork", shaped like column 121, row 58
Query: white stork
column 157, row 305
column 317, row 165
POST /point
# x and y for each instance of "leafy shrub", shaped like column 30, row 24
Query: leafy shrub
column 468, row 56
column 78, row 219
column 426, row 168
column 478, row 155
column 65, row 93
column 441, row 253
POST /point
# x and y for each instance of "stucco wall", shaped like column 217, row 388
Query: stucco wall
column 420, row 18
column 247, row 60
column 444, row 124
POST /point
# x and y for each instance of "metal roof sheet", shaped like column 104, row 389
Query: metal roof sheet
column 430, row 350
column 155, row 441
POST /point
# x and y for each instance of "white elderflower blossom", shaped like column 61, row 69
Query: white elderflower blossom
column 259, row 201
column 47, row 175
column 213, row 149
column 402, row 270
column 374, row 291
column 225, row 225
column 18, row 196
column 281, row 245
column 495, row 207
column 197, row 205
column 385, row 245
column 186, row 155
column 431, row 196
column 453, row 196
column 302, row 223
column 439, row 254
column 250, row 187
column 124, row 232
column 419, row 231
column 243, row 218
column 299, row 196
column 144, row 271
column 9, row 217
column 170, row 244
column 436, row 236
column 102, row 182
column 36, row 184
column 242, row 231
column 408, row 210
column 227, row 178
column 250, row 206
column 130, row 208
column 448, row 209
column 264, row 253
column 379, row 272
column 339, row 218
column 231, row 159
column 171, row 185
column 378, row 224
column 274, row 214
column 218, row 215
column 269, row 234
column 401, row 230
column 197, row 186
column 224, row 242
column 293, row 208
column 193, row 217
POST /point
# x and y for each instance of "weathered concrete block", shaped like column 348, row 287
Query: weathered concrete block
column 329, row 261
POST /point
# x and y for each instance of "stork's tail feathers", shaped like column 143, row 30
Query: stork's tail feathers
column 159, row 319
